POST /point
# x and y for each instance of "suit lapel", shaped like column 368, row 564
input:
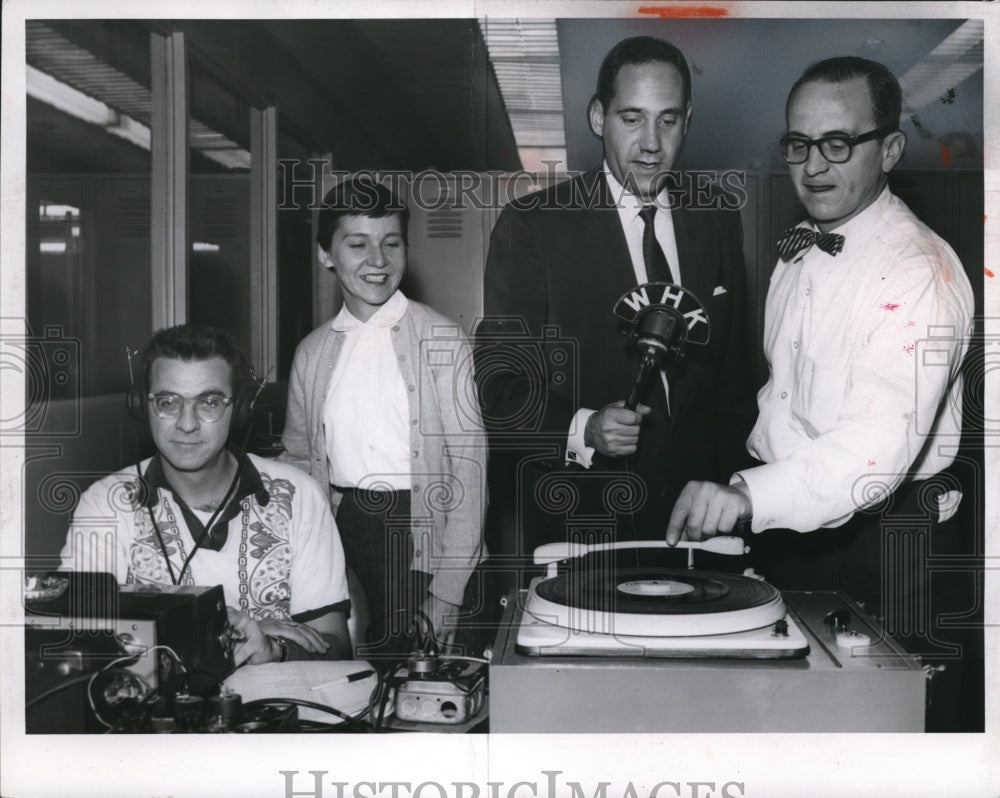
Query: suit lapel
column 696, row 273
column 697, row 276
column 605, row 241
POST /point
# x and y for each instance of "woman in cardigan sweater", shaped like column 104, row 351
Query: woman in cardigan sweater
column 382, row 407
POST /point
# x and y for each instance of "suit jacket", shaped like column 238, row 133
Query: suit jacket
column 549, row 344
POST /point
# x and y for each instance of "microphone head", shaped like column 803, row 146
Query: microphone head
column 649, row 309
column 658, row 326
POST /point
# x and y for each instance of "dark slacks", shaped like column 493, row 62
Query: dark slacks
column 375, row 531
column 917, row 575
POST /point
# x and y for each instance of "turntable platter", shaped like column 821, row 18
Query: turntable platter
column 653, row 601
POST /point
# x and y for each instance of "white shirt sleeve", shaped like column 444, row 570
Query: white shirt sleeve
column 896, row 385
column 100, row 534
column 318, row 577
column 576, row 450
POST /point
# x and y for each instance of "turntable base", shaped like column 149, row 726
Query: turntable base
column 833, row 689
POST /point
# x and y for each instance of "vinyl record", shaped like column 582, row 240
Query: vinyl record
column 656, row 591
column 655, row 602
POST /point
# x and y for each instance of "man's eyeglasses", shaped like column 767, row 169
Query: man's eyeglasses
column 208, row 408
column 836, row 149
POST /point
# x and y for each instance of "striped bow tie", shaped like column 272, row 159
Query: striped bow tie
column 797, row 239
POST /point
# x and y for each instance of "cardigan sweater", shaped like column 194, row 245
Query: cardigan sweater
column 448, row 445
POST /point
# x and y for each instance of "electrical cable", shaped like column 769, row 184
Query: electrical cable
column 58, row 689
column 348, row 719
column 147, row 689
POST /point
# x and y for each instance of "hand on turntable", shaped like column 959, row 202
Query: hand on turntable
column 705, row 509
column 614, row 430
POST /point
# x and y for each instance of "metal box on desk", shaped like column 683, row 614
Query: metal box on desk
column 879, row 689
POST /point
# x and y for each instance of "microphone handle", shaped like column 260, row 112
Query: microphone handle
column 647, row 365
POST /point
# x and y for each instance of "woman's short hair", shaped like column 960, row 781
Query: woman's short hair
column 357, row 196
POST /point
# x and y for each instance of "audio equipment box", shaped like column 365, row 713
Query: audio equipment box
column 90, row 643
column 441, row 690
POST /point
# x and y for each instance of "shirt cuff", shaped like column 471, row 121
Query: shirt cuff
column 576, row 450
column 765, row 484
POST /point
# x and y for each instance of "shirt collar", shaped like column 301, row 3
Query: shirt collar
column 250, row 482
column 863, row 223
column 387, row 315
column 626, row 200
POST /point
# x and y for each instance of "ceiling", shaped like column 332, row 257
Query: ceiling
column 742, row 70
column 422, row 94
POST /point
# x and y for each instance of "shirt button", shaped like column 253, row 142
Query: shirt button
column 413, row 422
column 795, row 344
column 758, row 438
column 784, row 394
column 416, row 553
column 806, row 292
column 395, row 328
column 416, row 488
column 402, row 358
column 415, row 453
column 371, row 448
column 412, row 389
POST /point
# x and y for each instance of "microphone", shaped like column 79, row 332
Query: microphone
column 660, row 319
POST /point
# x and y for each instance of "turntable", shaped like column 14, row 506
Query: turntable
column 624, row 638
column 632, row 609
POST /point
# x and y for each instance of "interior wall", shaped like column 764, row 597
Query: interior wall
column 81, row 440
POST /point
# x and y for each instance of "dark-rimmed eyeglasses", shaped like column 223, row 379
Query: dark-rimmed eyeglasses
column 210, row 408
column 836, row 149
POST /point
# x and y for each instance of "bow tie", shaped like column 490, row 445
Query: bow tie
column 797, row 239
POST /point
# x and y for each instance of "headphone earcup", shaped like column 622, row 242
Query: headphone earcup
column 243, row 404
column 135, row 400
column 243, row 410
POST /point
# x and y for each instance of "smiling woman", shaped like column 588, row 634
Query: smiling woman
column 379, row 408
column 368, row 255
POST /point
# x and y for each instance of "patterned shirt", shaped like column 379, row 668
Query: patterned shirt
column 277, row 554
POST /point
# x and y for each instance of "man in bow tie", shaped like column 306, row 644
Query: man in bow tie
column 867, row 321
column 552, row 366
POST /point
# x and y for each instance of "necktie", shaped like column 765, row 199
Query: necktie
column 797, row 239
column 657, row 268
column 657, row 271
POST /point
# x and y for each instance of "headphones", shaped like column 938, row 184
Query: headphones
column 244, row 399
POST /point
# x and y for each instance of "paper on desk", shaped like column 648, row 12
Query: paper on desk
column 307, row 680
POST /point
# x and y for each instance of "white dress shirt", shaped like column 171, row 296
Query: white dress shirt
column 634, row 227
column 864, row 350
column 366, row 411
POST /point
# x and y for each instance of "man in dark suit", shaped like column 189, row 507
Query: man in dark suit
column 568, row 459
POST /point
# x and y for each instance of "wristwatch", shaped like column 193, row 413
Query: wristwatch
column 282, row 648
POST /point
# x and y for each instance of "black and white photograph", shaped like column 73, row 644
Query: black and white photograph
column 499, row 399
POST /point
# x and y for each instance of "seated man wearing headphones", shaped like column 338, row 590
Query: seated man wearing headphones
column 203, row 512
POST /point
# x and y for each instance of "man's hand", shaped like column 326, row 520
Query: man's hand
column 438, row 611
column 614, row 431
column 305, row 636
column 254, row 646
column 704, row 509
